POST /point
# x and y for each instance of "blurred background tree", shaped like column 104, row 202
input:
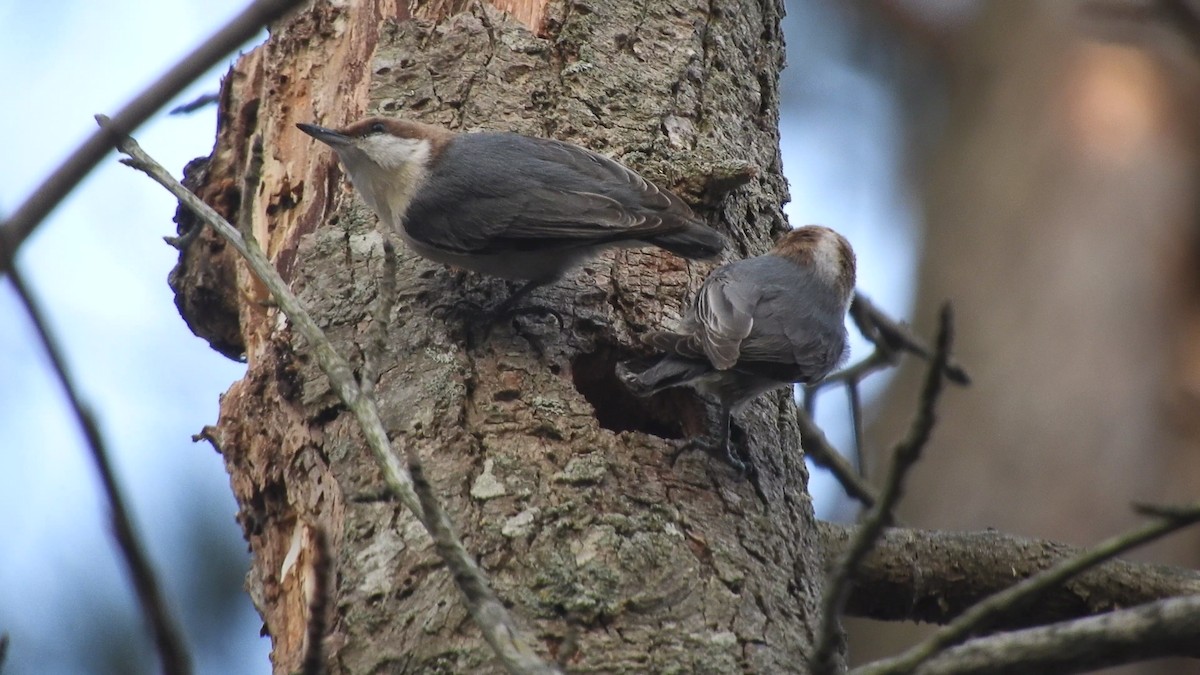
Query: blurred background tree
column 1060, row 216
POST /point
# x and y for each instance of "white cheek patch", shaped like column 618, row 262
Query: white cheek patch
column 393, row 152
column 827, row 257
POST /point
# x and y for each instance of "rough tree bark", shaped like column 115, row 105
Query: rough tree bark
column 561, row 484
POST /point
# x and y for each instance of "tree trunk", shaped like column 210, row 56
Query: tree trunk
column 561, row 485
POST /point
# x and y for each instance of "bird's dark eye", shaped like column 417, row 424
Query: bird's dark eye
column 377, row 128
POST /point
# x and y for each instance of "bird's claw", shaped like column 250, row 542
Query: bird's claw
column 461, row 308
column 474, row 313
column 477, row 320
column 715, row 448
column 505, row 313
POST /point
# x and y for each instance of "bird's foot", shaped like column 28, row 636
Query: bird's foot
column 462, row 309
column 502, row 313
column 715, row 448
column 480, row 321
column 475, row 314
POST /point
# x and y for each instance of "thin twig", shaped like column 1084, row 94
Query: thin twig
column 818, row 448
column 195, row 104
column 880, row 359
column 1167, row 511
column 1017, row 596
column 497, row 626
column 38, row 205
column 891, row 339
column 904, row 456
column 168, row 639
column 860, row 432
column 335, row 367
column 872, row 321
column 485, row 607
column 1155, row 630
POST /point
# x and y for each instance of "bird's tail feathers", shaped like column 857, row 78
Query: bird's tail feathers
column 694, row 241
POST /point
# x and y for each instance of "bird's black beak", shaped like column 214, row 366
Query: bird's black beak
column 327, row 136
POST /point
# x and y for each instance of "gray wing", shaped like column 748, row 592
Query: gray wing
column 798, row 323
column 720, row 319
column 724, row 310
column 503, row 192
column 765, row 315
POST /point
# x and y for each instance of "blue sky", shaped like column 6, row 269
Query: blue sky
column 99, row 267
column 843, row 154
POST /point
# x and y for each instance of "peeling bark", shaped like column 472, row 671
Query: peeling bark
column 561, row 484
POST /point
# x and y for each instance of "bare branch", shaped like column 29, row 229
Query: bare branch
column 497, row 626
column 932, row 576
column 168, row 639
column 984, row 615
column 34, row 209
column 880, row 359
column 818, row 448
column 904, row 456
column 879, row 328
column 891, row 338
column 1160, row 629
column 854, row 394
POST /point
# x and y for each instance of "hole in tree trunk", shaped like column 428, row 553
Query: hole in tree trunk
column 673, row 414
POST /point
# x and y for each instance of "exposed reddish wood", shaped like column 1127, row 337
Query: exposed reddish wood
column 313, row 69
column 528, row 12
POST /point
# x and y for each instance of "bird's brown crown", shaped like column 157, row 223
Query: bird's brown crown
column 437, row 136
column 815, row 245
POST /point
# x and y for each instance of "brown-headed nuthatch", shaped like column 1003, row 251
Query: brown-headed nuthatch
column 758, row 324
column 508, row 205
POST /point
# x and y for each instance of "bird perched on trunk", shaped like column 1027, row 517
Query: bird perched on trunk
column 758, row 324
column 508, row 205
